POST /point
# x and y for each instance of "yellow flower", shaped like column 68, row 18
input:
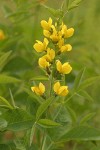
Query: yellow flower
column 46, row 33
column 64, row 69
column 55, row 37
column 60, row 43
column 62, row 47
column 66, row 32
column 65, row 48
column 39, row 90
column 50, row 55
column 46, row 25
column 39, row 46
column 69, row 33
column 60, row 90
column 2, row 35
column 43, row 62
column 64, row 29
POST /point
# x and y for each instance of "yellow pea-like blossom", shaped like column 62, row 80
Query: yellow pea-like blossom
column 46, row 33
column 43, row 63
column 41, row 46
column 50, row 55
column 65, row 48
column 56, row 35
column 63, row 68
column 60, row 42
column 69, row 33
column 66, row 33
column 52, row 33
column 60, row 90
column 62, row 47
column 39, row 90
column 2, row 35
column 63, row 29
column 46, row 25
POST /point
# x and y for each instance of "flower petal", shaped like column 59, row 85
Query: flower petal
column 33, row 89
column 44, row 25
column 56, row 87
column 66, row 68
column 46, row 33
column 50, row 21
column 38, row 47
column 63, row 91
column 42, row 88
column 70, row 32
column 43, row 63
column 51, row 53
column 45, row 43
column 59, row 66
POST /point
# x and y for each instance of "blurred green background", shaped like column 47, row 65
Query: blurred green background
column 20, row 21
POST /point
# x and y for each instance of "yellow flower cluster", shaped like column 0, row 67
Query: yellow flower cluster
column 54, row 44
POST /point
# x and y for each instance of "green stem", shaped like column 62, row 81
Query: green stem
column 63, row 79
column 69, row 98
column 44, row 142
column 64, row 82
column 62, row 5
column 49, row 147
column 57, row 112
column 67, row 8
column 51, row 80
column 67, row 4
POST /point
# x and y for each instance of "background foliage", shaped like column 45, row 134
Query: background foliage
column 20, row 21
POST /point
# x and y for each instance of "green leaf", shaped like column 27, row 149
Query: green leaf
column 4, row 59
column 78, row 79
column 18, row 119
column 55, row 13
column 62, row 116
column 42, row 108
column 88, row 82
column 8, row 79
column 3, row 124
column 72, row 114
column 85, row 95
column 46, row 123
column 82, row 133
column 32, row 133
column 74, row 4
column 4, row 147
column 4, row 103
column 87, row 117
